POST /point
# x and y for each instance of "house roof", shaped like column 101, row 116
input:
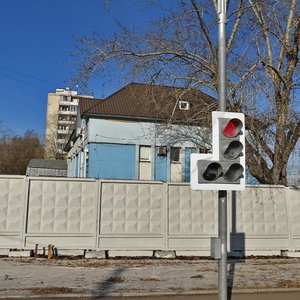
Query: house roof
column 155, row 102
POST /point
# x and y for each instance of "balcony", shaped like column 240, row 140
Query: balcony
column 68, row 103
column 63, row 131
column 66, row 122
column 61, row 141
column 67, row 112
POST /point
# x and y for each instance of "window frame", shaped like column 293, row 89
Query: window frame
column 173, row 153
column 144, row 158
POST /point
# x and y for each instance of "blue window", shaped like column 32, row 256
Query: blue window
column 112, row 161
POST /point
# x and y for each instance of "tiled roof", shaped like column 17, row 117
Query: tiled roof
column 142, row 101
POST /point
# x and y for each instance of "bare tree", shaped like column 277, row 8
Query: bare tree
column 180, row 49
column 277, row 25
column 17, row 151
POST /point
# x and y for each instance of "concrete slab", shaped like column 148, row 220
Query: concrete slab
column 200, row 253
column 70, row 252
column 291, row 254
column 4, row 252
column 20, row 253
column 95, row 254
column 164, row 254
column 134, row 253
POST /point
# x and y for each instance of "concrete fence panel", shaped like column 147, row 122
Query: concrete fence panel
column 259, row 220
column 192, row 219
column 12, row 193
column 61, row 212
column 132, row 216
column 293, row 202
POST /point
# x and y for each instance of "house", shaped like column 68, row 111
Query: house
column 47, row 167
column 141, row 132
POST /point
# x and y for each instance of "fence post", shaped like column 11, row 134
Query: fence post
column 98, row 213
column 24, row 214
column 165, row 217
column 289, row 216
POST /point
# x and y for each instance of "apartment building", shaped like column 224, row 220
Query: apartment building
column 60, row 120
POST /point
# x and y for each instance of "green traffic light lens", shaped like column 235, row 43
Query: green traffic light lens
column 234, row 173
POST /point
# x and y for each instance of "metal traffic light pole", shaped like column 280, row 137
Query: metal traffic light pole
column 222, row 195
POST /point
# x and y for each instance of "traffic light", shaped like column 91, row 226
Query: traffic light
column 224, row 169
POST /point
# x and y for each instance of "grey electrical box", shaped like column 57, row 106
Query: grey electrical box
column 215, row 248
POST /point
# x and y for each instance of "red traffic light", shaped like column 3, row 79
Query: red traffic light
column 233, row 128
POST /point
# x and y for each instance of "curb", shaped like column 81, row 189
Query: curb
column 147, row 294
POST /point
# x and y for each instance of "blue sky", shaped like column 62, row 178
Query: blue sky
column 36, row 39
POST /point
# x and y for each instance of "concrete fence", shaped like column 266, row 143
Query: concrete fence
column 123, row 216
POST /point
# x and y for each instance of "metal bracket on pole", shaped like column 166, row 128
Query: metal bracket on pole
column 222, row 12
column 222, row 18
column 215, row 248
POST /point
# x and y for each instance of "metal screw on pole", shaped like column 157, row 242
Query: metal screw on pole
column 222, row 195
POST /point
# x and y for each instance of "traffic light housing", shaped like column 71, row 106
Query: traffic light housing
column 224, row 169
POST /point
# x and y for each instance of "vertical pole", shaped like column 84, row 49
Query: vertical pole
column 222, row 195
column 222, row 268
column 222, row 19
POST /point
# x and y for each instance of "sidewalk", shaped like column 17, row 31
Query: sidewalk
column 29, row 277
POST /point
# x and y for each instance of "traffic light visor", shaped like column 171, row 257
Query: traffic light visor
column 213, row 171
column 233, row 150
column 234, row 172
column 233, row 128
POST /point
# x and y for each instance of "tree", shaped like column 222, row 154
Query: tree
column 16, row 152
column 277, row 25
column 180, row 49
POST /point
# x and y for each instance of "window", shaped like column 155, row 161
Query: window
column 184, row 105
column 145, row 153
column 175, row 154
column 162, row 151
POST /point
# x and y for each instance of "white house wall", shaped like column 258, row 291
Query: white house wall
column 122, row 133
column 129, row 132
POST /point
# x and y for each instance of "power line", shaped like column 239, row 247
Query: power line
column 29, row 75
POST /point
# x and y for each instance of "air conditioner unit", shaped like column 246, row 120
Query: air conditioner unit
column 184, row 105
column 162, row 151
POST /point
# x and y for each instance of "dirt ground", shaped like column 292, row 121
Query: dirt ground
column 79, row 277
